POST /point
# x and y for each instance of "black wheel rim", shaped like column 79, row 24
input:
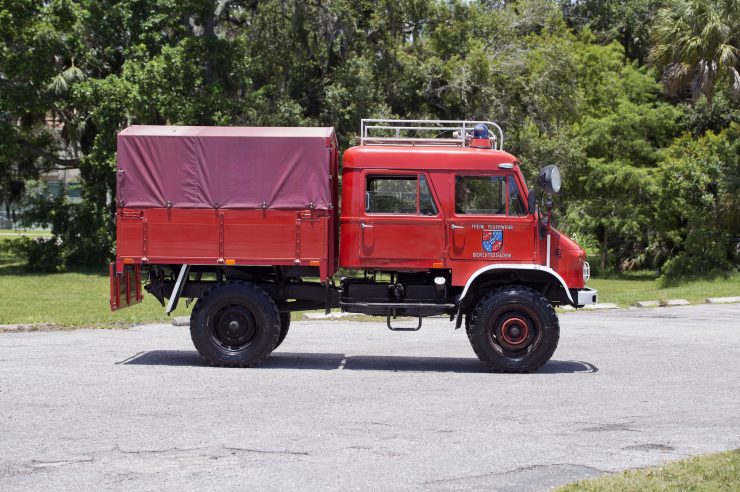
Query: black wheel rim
column 514, row 331
column 234, row 327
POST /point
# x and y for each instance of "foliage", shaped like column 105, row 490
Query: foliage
column 697, row 44
column 701, row 117
column 699, row 204
column 612, row 186
column 628, row 23
column 78, row 237
column 42, row 254
column 564, row 79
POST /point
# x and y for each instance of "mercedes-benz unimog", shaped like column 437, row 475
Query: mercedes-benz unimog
column 436, row 219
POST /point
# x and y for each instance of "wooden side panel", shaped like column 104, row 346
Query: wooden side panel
column 182, row 233
column 232, row 237
column 260, row 235
column 130, row 235
column 312, row 242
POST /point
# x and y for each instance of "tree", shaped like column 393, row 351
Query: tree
column 698, row 205
column 34, row 73
column 697, row 45
column 564, row 80
column 625, row 21
column 620, row 131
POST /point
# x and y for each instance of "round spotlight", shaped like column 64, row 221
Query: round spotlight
column 550, row 179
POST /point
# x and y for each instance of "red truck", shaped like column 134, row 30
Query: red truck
column 436, row 219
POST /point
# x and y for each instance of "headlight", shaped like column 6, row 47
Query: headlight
column 586, row 271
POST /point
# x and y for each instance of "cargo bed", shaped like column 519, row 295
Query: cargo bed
column 225, row 196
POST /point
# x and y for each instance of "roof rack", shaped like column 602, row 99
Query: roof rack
column 425, row 132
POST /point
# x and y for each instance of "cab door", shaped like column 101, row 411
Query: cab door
column 488, row 221
column 401, row 224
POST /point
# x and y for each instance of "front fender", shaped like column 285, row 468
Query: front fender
column 514, row 267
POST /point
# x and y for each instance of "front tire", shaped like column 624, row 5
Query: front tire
column 235, row 324
column 514, row 329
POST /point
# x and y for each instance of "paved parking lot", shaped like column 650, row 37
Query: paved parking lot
column 351, row 405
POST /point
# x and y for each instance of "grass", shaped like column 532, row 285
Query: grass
column 713, row 472
column 80, row 298
column 11, row 233
column 70, row 299
column 626, row 289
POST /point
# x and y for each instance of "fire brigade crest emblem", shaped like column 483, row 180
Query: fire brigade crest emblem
column 493, row 241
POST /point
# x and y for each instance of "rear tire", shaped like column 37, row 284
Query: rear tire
column 284, row 327
column 514, row 329
column 235, row 324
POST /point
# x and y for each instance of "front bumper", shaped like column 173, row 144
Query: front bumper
column 584, row 296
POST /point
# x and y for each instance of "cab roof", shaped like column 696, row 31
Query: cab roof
column 429, row 157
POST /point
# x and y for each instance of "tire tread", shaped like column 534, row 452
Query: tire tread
column 202, row 301
column 478, row 314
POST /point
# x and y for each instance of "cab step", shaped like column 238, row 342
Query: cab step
column 399, row 328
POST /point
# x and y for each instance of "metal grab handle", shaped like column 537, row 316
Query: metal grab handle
column 455, row 226
column 365, row 226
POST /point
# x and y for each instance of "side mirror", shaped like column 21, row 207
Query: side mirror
column 549, row 179
column 532, row 201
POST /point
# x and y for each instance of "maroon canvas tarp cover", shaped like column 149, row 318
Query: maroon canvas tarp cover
column 224, row 167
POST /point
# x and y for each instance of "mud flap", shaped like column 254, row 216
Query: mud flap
column 125, row 287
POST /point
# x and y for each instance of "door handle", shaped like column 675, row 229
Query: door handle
column 366, row 226
column 455, row 226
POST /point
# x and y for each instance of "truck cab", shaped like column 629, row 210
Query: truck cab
column 456, row 208
column 436, row 219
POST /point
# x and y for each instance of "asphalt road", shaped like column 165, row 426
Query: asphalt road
column 350, row 405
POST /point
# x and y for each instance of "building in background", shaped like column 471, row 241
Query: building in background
column 57, row 181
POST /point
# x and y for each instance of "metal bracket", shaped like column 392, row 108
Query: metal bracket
column 388, row 321
column 458, row 315
column 177, row 289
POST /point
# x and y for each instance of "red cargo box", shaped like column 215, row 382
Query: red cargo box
column 227, row 195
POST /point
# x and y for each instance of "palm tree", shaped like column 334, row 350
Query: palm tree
column 697, row 44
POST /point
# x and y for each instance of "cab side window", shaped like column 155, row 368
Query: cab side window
column 391, row 195
column 426, row 202
column 516, row 204
column 399, row 195
column 480, row 195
